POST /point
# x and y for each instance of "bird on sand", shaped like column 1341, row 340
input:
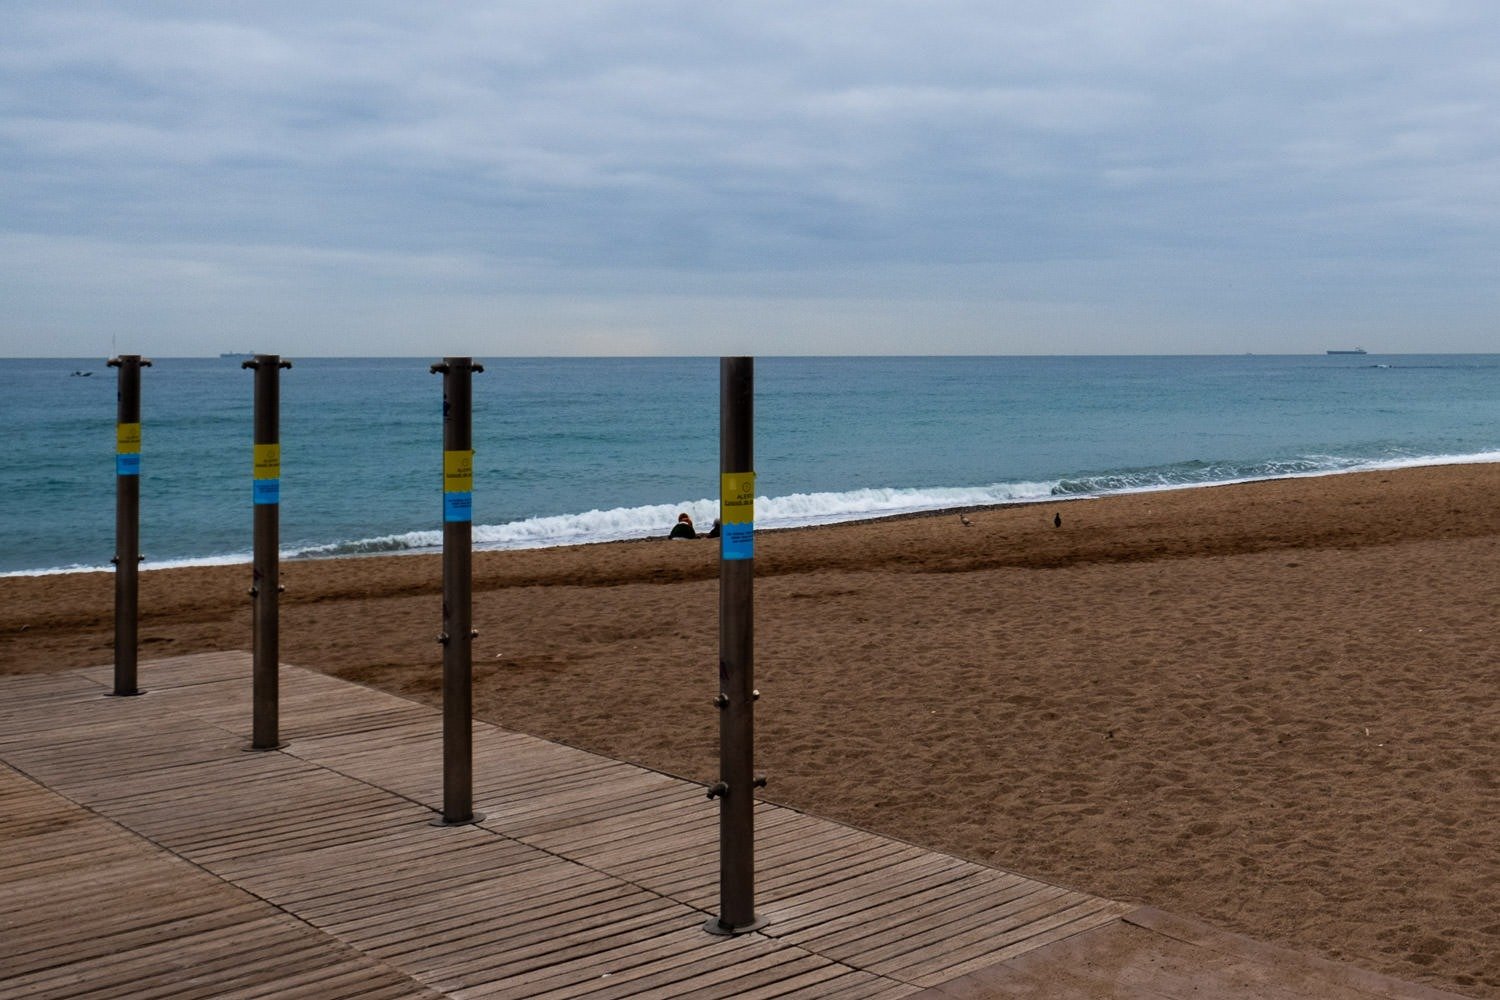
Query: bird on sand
column 966, row 522
column 1057, row 520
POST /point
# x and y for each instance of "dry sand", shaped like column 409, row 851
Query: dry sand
column 1271, row 706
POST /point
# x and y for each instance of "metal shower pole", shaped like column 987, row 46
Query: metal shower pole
column 737, row 694
column 127, row 557
column 265, row 589
column 458, row 628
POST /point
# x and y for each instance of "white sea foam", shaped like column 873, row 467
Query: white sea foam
column 802, row 509
column 228, row 559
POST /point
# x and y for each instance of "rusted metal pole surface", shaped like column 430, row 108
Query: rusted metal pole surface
column 127, row 557
column 458, row 622
column 265, row 588
column 737, row 780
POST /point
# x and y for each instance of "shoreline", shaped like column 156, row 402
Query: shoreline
column 244, row 559
column 1268, row 705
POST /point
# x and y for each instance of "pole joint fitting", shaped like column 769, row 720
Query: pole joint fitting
column 442, row 638
column 759, row 782
column 718, row 790
column 721, row 700
column 755, row 695
column 254, row 591
column 443, row 369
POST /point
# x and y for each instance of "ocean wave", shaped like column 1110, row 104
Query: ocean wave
column 803, row 509
column 1187, row 475
column 226, row 559
column 655, row 520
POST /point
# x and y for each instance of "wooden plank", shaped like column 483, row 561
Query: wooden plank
column 786, row 882
column 354, row 890
column 179, row 671
column 129, row 918
column 966, row 958
column 588, row 878
column 1024, row 929
column 880, row 908
column 714, row 977
column 624, row 959
column 493, row 908
column 397, row 862
column 859, row 898
column 62, row 944
column 497, row 956
column 860, row 986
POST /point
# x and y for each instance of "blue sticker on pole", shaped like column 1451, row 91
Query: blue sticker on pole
column 737, row 515
column 128, row 464
column 267, row 491
column 458, row 506
column 737, row 541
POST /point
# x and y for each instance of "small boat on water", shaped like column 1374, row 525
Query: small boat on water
column 236, row 354
column 80, row 374
column 1347, row 350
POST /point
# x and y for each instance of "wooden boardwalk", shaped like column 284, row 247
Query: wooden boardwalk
column 145, row 853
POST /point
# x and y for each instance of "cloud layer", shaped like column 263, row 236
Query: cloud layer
column 604, row 177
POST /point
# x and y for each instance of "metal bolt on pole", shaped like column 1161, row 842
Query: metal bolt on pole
column 265, row 588
column 737, row 694
column 127, row 557
column 458, row 621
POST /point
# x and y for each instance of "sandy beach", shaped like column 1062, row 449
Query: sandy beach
column 1273, row 706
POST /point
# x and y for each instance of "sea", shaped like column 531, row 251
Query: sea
column 581, row 450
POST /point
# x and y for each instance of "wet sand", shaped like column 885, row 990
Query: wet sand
column 1273, row 706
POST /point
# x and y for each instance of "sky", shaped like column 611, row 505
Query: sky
column 610, row 178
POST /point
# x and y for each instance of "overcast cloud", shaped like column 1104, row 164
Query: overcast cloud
column 691, row 178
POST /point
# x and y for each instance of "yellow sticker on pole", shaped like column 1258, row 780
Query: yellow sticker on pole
column 458, row 471
column 737, row 496
column 268, row 461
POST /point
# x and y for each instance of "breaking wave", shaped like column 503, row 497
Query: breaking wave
column 801, row 509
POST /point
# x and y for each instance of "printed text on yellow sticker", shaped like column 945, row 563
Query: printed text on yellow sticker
column 458, row 471
column 737, row 497
column 268, row 461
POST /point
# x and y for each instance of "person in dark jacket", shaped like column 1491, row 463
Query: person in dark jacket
column 683, row 528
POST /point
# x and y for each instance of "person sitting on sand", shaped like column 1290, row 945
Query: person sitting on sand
column 683, row 528
column 714, row 531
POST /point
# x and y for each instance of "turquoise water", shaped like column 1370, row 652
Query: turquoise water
column 578, row 450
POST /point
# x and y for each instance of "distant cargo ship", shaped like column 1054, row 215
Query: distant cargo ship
column 1347, row 350
column 236, row 354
